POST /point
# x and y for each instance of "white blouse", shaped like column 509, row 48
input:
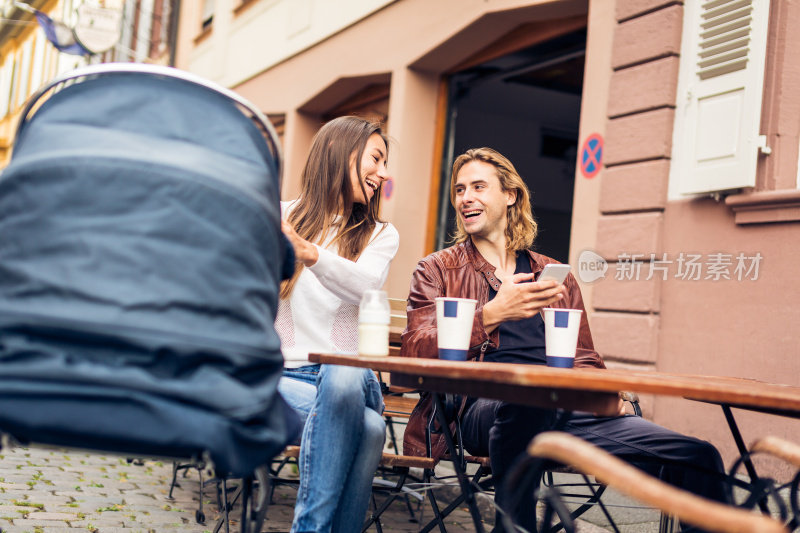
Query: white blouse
column 321, row 315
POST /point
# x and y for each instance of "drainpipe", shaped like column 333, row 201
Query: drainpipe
column 174, row 15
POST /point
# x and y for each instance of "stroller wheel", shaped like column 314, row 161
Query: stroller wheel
column 200, row 517
column 255, row 500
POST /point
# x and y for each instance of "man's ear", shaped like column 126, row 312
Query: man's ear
column 512, row 197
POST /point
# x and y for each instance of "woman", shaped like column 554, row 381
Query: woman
column 342, row 250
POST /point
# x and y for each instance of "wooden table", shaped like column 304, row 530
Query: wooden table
column 580, row 389
column 576, row 389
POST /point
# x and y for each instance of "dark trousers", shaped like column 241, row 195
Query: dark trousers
column 502, row 431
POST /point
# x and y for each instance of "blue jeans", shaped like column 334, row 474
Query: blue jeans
column 341, row 446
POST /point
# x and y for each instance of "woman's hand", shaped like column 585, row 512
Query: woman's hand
column 305, row 252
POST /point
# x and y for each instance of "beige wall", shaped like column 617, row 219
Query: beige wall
column 596, row 81
column 738, row 328
column 413, row 51
column 246, row 40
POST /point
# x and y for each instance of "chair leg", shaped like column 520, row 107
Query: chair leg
column 392, row 494
column 247, row 487
column 596, row 498
column 410, row 509
column 554, row 503
column 378, row 524
column 666, row 523
column 441, row 514
column 593, row 500
column 226, row 507
column 228, row 504
column 200, row 516
column 794, row 503
column 392, row 436
column 174, row 482
column 437, row 518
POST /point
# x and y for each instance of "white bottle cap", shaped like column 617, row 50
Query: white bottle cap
column 374, row 308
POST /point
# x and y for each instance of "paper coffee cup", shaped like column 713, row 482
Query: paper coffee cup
column 454, row 318
column 561, row 327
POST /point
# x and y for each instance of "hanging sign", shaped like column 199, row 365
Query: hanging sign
column 98, row 28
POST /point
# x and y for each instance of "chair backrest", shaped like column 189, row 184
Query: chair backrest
column 778, row 447
column 614, row 472
column 397, row 323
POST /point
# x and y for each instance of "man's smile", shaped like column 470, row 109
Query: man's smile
column 471, row 213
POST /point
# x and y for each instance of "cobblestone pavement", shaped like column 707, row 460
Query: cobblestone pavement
column 56, row 491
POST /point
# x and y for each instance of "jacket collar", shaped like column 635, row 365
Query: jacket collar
column 484, row 266
column 475, row 257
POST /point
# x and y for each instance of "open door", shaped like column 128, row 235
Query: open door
column 526, row 105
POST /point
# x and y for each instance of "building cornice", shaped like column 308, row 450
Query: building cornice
column 765, row 206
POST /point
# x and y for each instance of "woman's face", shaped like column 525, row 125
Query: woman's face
column 373, row 170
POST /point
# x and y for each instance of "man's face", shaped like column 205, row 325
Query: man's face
column 480, row 200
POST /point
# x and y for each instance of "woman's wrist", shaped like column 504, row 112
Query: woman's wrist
column 310, row 254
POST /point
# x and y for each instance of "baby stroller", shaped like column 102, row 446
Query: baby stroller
column 140, row 262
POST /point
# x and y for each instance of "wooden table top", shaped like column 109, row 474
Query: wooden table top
column 579, row 389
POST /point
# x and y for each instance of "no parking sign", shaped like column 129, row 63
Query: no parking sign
column 592, row 155
column 388, row 188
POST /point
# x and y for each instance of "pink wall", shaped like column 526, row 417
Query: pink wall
column 730, row 328
column 736, row 328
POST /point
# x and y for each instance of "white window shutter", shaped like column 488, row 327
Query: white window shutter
column 718, row 111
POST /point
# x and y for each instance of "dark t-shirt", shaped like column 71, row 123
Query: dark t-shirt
column 521, row 341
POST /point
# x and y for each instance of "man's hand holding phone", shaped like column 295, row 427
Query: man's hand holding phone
column 520, row 297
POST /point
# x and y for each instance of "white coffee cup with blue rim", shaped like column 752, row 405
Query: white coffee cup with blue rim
column 454, row 317
column 561, row 328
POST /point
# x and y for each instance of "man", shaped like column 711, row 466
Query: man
column 492, row 264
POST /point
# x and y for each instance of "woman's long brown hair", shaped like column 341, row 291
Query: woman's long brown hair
column 326, row 191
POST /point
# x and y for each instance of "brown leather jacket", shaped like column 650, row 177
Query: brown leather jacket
column 461, row 271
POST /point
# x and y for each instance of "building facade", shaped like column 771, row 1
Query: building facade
column 660, row 139
column 28, row 60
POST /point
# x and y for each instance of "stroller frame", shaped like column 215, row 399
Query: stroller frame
column 138, row 68
column 254, row 489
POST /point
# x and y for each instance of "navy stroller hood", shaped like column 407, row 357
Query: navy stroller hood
column 140, row 262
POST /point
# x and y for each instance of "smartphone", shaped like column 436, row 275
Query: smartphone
column 555, row 272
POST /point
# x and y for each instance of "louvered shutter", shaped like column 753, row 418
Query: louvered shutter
column 715, row 142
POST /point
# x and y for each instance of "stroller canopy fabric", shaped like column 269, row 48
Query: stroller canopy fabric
column 140, row 262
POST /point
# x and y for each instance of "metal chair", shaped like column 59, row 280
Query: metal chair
column 789, row 452
column 613, row 472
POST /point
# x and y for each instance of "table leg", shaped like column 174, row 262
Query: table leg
column 743, row 453
column 466, row 488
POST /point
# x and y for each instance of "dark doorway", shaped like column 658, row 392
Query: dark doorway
column 526, row 105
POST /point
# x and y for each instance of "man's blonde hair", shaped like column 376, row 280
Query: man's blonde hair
column 521, row 229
